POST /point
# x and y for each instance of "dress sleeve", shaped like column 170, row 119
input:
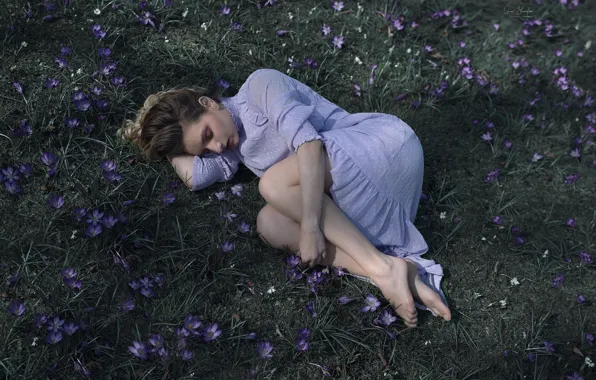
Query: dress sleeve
column 278, row 98
column 211, row 168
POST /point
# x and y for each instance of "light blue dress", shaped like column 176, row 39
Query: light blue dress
column 377, row 159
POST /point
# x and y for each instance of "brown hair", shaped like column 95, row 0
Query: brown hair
column 157, row 129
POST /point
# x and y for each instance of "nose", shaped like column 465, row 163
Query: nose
column 217, row 147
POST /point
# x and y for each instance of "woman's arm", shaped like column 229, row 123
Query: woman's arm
column 199, row 172
column 311, row 163
column 183, row 166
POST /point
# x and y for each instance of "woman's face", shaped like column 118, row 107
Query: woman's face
column 215, row 131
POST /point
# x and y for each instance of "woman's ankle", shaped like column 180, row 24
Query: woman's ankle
column 379, row 265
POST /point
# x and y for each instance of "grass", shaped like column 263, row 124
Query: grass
column 500, row 290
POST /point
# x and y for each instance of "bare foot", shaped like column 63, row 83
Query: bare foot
column 424, row 294
column 393, row 283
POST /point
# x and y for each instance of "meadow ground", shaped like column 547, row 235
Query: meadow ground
column 499, row 94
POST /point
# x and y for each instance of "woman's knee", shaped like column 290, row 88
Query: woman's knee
column 274, row 228
column 266, row 221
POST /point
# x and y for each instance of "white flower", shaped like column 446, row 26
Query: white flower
column 545, row 253
column 290, row 15
column 185, row 13
column 514, row 281
column 409, row 51
column 358, row 61
column 97, row 11
column 34, row 342
column 79, row 71
column 271, row 290
column 443, row 215
column 503, row 303
column 204, row 26
column 73, row 236
column 589, row 362
column 483, row 238
column 588, row 44
column 23, row 44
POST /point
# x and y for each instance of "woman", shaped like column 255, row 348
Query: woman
column 342, row 189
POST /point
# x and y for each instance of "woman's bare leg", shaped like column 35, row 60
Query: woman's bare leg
column 389, row 273
column 281, row 232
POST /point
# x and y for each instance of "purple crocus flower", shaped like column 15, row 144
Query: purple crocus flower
column 264, row 349
column 385, row 318
column 54, row 337
column 221, row 195
column 192, row 322
column 304, row 333
column 139, row 350
column 146, row 19
column 302, row 344
column 185, row 355
column 498, row 220
column 229, row 215
column 39, row 320
column 226, row 246
column 82, row 104
column 515, row 230
column 95, row 217
column 104, row 52
column 344, row 300
column 571, row 179
column 49, row 159
column 211, row 332
column 147, row 292
column 549, row 347
column 12, row 280
column 338, row 41
column 585, row 257
column 558, row 281
column 156, row 340
column 10, row 174
column 55, row 324
column 224, row 10
column 292, row 261
column 62, row 63
column 581, row 299
column 56, row 201
column 575, row 376
column 310, row 307
column 71, row 122
column 68, row 272
column 237, row 190
column 18, row 87
column 97, row 32
column 52, row 83
column 17, row 308
column 337, row 6
column 70, row 328
column 109, row 221
column 571, row 223
column 293, row 274
column 244, row 227
column 79, row 213
column 93, row 230
column 372, row 303
column 127, row 305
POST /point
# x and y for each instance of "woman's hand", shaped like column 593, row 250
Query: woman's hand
column 312, row 246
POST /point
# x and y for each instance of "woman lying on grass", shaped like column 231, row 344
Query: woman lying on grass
column 342, row 189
